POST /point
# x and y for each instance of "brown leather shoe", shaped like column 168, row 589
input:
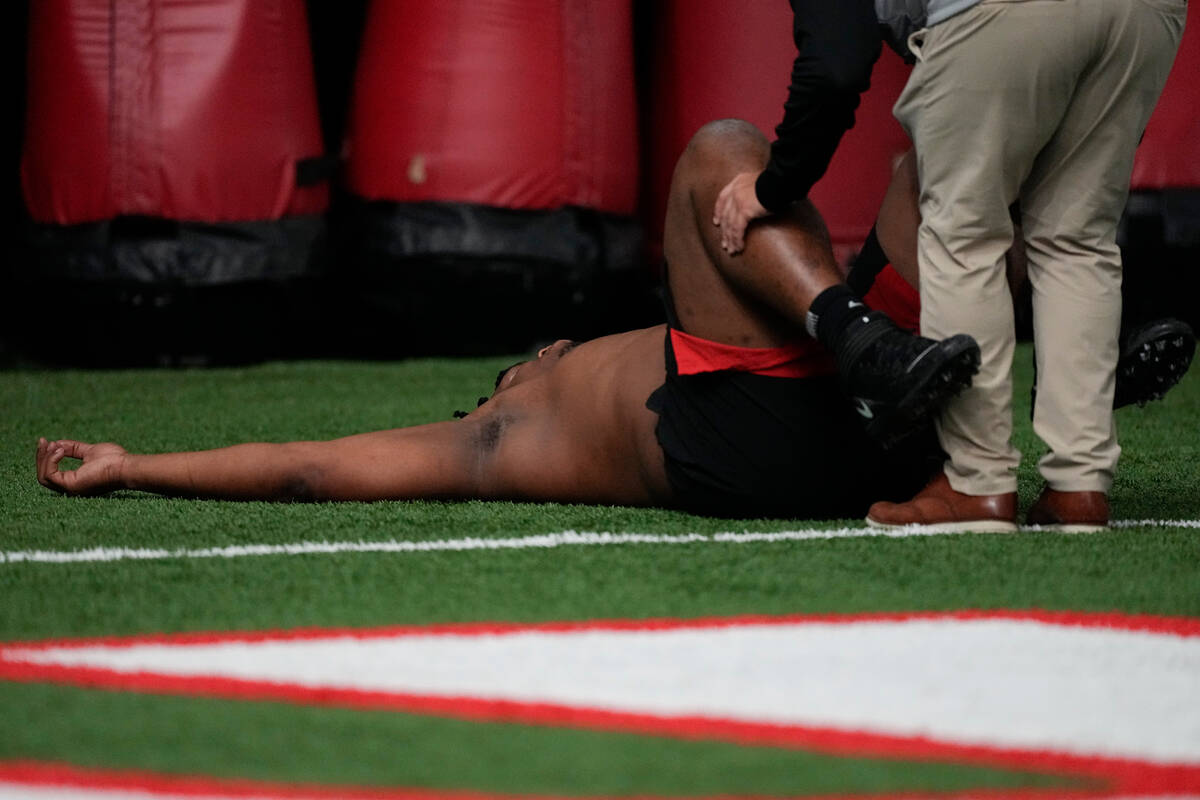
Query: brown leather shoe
column 939, row 507
column 1070, row 512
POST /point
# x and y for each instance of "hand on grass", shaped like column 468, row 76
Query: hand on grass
column 99, row 473
column 736, row 205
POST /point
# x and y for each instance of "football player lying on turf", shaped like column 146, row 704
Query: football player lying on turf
column 729, row 409
column 1155, row 353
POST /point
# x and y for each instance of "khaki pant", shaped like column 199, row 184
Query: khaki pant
column 1041, row 102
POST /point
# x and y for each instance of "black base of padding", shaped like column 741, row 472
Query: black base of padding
column 1160, row 249
column 458, row 279
column 111, row 325
column 164, row 252
column 141, row 291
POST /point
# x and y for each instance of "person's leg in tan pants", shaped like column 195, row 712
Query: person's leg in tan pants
column 1071, row 203
column 1041, row 101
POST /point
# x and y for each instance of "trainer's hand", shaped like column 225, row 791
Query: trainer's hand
column 100, row 471
column 737, row 204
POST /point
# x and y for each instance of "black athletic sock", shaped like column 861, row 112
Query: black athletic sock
column 832, row 312
column 867, row 264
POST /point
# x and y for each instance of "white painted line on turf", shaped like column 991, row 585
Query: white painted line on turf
column 538, row 541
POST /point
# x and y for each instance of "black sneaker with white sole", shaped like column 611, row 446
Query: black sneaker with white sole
column 1154, row 357
column 897, row 380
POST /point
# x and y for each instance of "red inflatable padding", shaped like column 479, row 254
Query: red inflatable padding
column 1169, row 155
column 733, row 58
column 182, row 109
column 524, row 104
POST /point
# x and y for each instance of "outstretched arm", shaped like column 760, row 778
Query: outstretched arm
column 437, row 460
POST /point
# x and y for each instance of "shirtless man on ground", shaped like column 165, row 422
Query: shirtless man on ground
column 730, row 409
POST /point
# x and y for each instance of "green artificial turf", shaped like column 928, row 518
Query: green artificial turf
column 270, row 741
column 1134, row 570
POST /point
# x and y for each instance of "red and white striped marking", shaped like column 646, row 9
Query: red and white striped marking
column 1107, row 696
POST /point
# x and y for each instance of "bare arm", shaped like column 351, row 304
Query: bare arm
column 437, row 460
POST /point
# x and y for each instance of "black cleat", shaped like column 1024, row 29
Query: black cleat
column 897, row 380
column 1154, row 357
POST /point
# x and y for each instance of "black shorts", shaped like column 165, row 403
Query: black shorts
column 738, row 444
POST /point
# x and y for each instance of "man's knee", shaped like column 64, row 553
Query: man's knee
column 723, row 148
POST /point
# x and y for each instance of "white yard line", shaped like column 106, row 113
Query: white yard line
column 563, row 539
column 1155, row 523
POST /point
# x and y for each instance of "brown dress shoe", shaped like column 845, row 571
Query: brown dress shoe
column 1070, row 512
column 939, row 507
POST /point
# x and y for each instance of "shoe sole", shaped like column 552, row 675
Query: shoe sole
column 1152, row 361
column 968, row 526
column 944, row 370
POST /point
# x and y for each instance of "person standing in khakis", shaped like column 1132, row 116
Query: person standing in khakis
column 1041, row 103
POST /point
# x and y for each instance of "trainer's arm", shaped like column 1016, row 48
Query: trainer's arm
column 837, row 44
column 437, row 460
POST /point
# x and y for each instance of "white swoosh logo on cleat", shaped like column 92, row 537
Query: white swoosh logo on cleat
column 918, row 359
column 863, row 409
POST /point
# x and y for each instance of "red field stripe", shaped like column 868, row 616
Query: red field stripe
column 1180, row 626
column 59, row 775
column 53, row 774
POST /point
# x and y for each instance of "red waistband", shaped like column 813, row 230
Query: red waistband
column 803, row 359
column 890, row 294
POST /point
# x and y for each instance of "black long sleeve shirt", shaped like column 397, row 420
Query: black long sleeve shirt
column 837, row 43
